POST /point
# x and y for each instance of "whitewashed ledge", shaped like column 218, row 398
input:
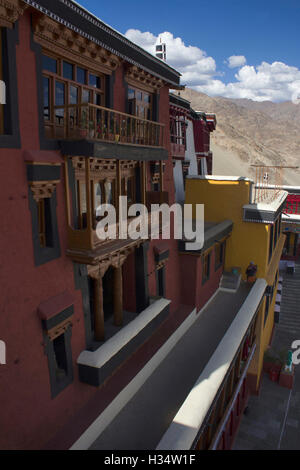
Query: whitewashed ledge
column 96, row 366
column 185, row 426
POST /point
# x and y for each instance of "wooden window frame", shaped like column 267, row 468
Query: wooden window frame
column 139, row 102
column 58, row 77
column 222, row 246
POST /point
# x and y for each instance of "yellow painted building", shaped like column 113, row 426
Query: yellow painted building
column 256, row 237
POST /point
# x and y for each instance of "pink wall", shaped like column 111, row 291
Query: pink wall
column 29, row 416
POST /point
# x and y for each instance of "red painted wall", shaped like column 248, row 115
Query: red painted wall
column 30, row 418
column 193, row 291
column 119, row 90
column 201, row 136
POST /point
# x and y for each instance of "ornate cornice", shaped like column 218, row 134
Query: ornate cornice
column 103, row 168
column 87, row 25
column 43, row 189
column 10, row 12
column 63, row 41
column 138, row 77
column 115, row 260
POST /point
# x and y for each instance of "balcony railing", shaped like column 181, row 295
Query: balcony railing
column 268, row 182
column 93, row 122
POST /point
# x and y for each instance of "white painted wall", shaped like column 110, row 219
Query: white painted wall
column 178, row 181
column 190, row 149
column 203, row 166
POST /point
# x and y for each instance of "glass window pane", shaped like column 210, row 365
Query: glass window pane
column 46, row 89
column 59, row 101
column 131, row 94
column 94, row 81
column 139, row 95
column 97, row 99
column 59, row 93
column 129, row 191
column 81, row 74
column 108, row 192
column 85, row 96
column 82, row 197
column 68, row 70
column 49, row 64
column 146, row 98
column 73, row 95
column 98, row 195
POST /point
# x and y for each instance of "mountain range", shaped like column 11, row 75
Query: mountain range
column 252, row 133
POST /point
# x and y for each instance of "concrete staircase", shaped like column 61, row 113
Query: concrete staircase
column 290, row 303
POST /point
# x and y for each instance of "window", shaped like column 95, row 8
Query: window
column 271, row 242
column 60, row 358
column 140, row 103
column 68, row 70
column 57, row 331
column 66, row 85
column 60, row 364
column 267, row 309
column 44, row 222
column 128, row 189
column 160, row 282
column 49, row 64
column 81, row 75
column 205, row 267
column 42, row 204
column 219, row 254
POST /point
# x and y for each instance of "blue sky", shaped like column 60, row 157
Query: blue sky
column 264, row 34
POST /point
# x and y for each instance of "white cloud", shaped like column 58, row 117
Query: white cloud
column 191, row 61
column 236, row 61
column 274, row 82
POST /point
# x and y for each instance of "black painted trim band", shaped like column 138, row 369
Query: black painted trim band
column 57, row 319
column 43, row 172
column 107, row 150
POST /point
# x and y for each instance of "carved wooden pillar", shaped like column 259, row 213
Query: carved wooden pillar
column 118, row 288
column 97, row 275
column 99, row 312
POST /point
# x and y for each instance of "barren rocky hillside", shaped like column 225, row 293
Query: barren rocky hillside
column 252, row 133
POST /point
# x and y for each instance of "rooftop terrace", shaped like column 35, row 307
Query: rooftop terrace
column 146, row 417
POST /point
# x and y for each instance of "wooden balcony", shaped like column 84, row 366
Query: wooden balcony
column 97, row 123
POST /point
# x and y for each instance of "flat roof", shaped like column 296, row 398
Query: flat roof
column 219, row 178
column 143, row 421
